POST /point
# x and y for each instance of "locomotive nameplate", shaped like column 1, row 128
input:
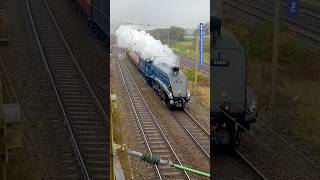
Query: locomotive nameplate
column 220, row 61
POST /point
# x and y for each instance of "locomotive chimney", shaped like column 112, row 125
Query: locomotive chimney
column 215, row 26
column 215, row 19
column 175, row 70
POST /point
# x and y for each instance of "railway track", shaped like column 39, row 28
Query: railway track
column 242, row 168
column 154, row 138
column 84, row 117
column 304, row 9
column 282, row 155
column 299, row 28
column 198, row 133
column 253, row 167
column 310, row 7
column 190, row 63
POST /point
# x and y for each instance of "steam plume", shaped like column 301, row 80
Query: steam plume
column 130, row 37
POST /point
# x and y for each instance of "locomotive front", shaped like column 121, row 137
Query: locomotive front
column 179, row 94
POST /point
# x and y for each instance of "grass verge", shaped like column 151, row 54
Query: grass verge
column 118, row 137
column 298, row 74
column 202, row 92
column 187, row 48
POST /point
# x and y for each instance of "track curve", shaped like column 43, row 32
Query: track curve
column 155, row 140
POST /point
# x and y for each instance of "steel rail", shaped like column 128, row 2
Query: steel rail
column 253, row 136
column 67, row 79
column 137, row 117
column 308, row 10
column 268, row 13
column 75, row 145
column 250, row 164
column 191, row 63
column 76, row 63
column 194, row 137
column 283, row 139
column 148, row 111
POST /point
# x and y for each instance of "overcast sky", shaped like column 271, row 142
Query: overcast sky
column 161, row 12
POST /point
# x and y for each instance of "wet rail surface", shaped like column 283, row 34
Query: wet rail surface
column 233, row 165
column 199, row 135
column 309, row 31
column 190, row 63
column 86, row 121
column 154, row 138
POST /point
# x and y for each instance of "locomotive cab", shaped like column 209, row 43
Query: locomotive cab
column 233, row 104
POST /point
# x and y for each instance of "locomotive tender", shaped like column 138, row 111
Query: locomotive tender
column 233, row 103
column 166, row 80
column 97, row 13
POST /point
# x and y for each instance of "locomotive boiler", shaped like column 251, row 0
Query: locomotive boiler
column 233, row 103
column 165, row 79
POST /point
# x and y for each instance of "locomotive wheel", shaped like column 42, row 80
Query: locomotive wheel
column 234, row 137
column 166, row 100
column 237, row 138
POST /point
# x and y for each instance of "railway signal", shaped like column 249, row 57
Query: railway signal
column 201, row 29
column 199, row 49
column 292, row 8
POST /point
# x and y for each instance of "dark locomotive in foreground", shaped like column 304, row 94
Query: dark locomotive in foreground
column 233, row 103
column 97, row 14
column 167, row 81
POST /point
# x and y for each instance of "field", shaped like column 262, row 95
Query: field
column 202, row 92
column 187, row 48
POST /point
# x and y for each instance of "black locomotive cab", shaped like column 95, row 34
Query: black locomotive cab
column 233, row 104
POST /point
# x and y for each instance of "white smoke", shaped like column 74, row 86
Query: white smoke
column 130, row 37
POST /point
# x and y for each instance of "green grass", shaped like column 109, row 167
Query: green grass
column 187, row 48
column 297, row 80
column 258, row 43
column 306, row 99
column 190, row 74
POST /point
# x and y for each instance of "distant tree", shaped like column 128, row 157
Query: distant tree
column 175, row 33
column 206, row 29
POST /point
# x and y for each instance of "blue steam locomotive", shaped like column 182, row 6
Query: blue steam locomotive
column 166, row 80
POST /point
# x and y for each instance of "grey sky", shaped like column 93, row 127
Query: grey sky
column 163, row 12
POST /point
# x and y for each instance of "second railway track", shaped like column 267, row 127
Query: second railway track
column 190, row 63
column 86, row 121
column 198, row 133
column 155, row 140
column 301, row 29
column 149, row 126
